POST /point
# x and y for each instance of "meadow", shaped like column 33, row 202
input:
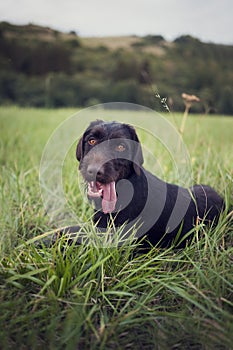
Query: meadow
column 91, row 296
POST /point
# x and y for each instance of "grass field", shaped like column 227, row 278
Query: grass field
column 90, row 297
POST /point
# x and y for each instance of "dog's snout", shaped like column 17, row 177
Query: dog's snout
column 93, row 171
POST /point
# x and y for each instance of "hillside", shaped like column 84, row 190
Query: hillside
column 128, row 43
column 40, row 66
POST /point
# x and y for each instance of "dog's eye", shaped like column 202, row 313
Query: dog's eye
column 92, row 142
column 120, row 148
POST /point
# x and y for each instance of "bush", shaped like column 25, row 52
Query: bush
column 225, row 103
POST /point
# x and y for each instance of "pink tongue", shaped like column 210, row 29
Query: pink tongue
column 109, row 197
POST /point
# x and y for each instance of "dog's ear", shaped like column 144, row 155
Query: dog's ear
column 137, row 156
column 79, row 150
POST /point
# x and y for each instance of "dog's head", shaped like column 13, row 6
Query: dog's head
column 108, row 152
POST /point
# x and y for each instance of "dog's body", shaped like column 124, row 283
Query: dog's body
column 111, row 161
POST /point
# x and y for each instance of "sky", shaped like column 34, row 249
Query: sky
column 208, row 20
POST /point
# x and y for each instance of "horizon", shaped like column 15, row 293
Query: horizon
column 109, row 36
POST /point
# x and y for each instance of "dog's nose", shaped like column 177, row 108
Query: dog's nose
column 94, row 171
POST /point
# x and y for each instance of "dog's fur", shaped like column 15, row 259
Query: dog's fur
column 106, row 166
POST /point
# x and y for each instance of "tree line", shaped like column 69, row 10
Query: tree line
column 44, row 68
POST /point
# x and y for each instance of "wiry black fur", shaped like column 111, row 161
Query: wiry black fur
column 204, row 203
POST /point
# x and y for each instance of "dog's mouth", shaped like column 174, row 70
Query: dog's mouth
column 106, row 191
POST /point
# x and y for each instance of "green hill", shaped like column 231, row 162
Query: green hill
column 40, row 66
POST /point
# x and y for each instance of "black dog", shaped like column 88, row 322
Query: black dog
column 111, row 159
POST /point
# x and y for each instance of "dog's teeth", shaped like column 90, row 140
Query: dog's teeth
column 94, row 190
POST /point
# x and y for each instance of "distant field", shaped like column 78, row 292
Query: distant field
column 124, row 42
column 87, row 297
column 111, row 42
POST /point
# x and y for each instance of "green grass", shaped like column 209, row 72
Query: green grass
column 90, row 297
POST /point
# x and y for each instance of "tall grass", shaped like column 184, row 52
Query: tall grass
column 70, row 296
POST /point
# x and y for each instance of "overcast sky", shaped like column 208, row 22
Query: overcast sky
column 209, row 20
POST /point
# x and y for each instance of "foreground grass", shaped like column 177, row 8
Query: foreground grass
column 90, row 297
